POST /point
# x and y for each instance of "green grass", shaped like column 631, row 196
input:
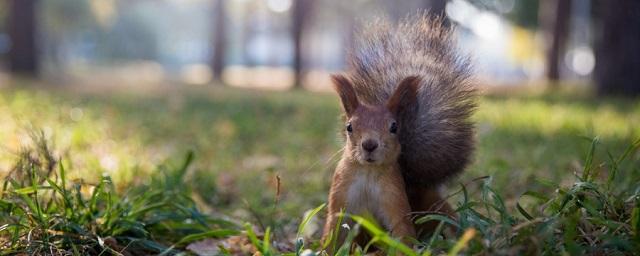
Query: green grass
column 44, row 213
column 266, row 157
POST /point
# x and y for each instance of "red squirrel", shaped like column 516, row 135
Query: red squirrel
column 407, row 96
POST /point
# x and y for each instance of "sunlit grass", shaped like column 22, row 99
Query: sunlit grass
column 45, row 213
column 249, row 137
column 266, row 157
column 572, row 115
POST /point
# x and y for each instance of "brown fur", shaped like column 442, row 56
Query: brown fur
column 371, row 183
column 409, row 74
column 437, row 129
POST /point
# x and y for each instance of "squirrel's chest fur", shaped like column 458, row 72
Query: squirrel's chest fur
column 365, row 193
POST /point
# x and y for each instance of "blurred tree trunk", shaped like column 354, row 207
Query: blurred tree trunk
column 554, row 17
column 219, row 39
column 617, row 69
column 23, row 55
column 301, row 12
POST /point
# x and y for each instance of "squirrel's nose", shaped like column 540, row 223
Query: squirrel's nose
column 369, row 145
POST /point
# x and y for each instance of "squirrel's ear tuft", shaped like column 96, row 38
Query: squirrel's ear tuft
column 405, row 95
column 343, row 86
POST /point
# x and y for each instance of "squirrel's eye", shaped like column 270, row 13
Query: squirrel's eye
column 349, row 128
column 394, row 128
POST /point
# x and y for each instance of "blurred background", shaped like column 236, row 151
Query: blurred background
column 295, row 43
column 124, row 86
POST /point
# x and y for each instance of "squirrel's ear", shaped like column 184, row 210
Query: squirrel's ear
column 343, row 86
column 405, row 95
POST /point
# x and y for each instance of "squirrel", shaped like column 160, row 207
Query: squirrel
column 408, row 96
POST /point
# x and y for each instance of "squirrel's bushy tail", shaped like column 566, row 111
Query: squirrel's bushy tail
column 436, row 135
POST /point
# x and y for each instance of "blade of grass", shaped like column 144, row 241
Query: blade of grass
column 211, row 234
column 588, row 165
column 379, row 234
column 438, row 217
column 462, row 242
column 252, row 237
column 266, row 243
column 434, row 236
column 307, row 218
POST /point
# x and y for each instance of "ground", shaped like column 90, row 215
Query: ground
column 266, row 157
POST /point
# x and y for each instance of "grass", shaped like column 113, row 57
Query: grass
column 105, row 184
column 44, row 213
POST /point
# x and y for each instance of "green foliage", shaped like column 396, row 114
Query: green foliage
column 586, row 217
column 43, row 212
column 378, row 235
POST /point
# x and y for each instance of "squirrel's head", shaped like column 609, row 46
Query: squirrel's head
column 372, row 131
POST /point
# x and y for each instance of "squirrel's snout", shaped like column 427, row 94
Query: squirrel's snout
column 369, row 145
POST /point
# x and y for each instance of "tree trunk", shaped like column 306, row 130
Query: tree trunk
column 554, row 17
column 219, row 39
column 301, row 11
column 617, row 69
column 23, row 55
